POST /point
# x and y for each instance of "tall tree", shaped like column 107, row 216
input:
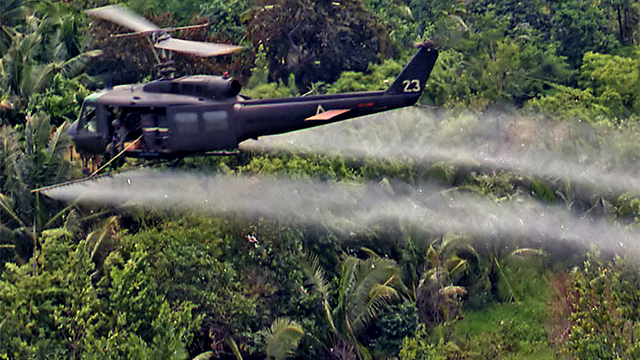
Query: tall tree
column 316, row 40
column 580, row 26
column 626, row 15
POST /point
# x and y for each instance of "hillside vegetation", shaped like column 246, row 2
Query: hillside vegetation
column 496, row 222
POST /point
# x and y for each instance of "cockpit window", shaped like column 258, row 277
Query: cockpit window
column 89, row 119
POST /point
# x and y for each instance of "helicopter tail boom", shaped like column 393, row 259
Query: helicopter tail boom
column 274, row 116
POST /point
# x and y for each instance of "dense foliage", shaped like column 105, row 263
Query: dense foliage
column 86, row 282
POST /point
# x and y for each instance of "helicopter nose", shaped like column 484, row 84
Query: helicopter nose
column 73, row 129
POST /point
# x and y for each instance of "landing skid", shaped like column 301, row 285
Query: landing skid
column 222, row 153
column 76, row 181
column 153, row 155
column 89, row 164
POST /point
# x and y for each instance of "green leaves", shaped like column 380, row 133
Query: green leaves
column 579, row 27
column 378, row 77
column 315, row 40
column 613, row 80
column 366, row 287
column 608, row 91
column 50, row 43
column 604, row 304
column 282, row 338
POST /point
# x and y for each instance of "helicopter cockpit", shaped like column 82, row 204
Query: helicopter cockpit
column 106, row 128
column 91, row 131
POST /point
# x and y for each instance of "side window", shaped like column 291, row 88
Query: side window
column 187, row 122
column 215, row 121
column 89, row 119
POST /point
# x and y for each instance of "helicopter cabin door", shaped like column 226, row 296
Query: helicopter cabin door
column 201, row 128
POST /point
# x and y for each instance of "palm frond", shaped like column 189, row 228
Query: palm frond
column 380, row 296
column 282, row 338
column 99, row 241
column 39, row 127
column 24, row 82
column 512, row 294
column 73, row 223
column 59, row 141
column 40, row 77
column 12, row 11
column 10, row 156
column 234, row 348
column 363, row 352
column 373, row 287
column 28, row 48
column 452, row 242
column 316, row 277
column 471, row 250
column 207, row 355
column 370, row 253
column 54, row 218
column 347, row 277
column 456, row 266
column 75, row 66
column 432, row 256
column 70, row 36
column 458, row 20
column 7, row 205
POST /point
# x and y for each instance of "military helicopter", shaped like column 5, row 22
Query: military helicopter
column 172, row 117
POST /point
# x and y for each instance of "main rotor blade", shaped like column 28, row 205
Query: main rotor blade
column 124, row 17
column 197, row 47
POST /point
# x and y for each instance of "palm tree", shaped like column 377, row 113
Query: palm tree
column 450, row 260
column 365, row 287
column 36, row 160
column 49, row 45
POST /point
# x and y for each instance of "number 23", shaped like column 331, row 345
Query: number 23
column 411, row 85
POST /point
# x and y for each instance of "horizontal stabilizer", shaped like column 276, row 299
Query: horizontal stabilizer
column 327, row 115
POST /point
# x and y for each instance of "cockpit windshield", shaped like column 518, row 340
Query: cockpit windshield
column 88, row 118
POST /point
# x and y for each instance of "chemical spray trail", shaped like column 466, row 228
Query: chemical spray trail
column 558, row 151
column 349, row 207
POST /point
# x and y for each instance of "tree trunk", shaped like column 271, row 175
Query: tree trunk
column 620, row 24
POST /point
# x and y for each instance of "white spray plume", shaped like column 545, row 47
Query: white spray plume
column 347, row 206
column 608, row 165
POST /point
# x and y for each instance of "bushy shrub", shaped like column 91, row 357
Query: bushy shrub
column 396, row 323
column 605, row 305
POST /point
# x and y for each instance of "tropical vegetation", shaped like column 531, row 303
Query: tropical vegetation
column 85, row 281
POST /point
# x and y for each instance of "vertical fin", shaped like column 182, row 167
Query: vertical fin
column 414, row 76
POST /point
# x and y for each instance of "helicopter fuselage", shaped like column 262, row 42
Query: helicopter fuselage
column 204, row 114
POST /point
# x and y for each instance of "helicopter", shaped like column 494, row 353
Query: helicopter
column 171, row 118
